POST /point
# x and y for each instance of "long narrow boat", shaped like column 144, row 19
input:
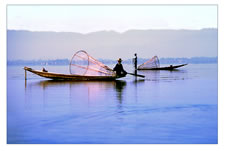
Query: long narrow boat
column 70, row 77
column 171, row 67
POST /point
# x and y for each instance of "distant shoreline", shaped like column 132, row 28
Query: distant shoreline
column 193, row 60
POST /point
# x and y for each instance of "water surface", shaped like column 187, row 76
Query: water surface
column 178, row 107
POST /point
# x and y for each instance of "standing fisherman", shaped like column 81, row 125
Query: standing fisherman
column 135, row 63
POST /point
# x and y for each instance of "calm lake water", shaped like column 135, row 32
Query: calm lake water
column 178, row 107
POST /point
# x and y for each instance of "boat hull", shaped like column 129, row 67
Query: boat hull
column 165, row 68
column 67, row 77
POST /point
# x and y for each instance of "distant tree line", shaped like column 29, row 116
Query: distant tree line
column 39, row 62
column 193, row 60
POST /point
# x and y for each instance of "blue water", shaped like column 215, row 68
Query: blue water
column 179, row 107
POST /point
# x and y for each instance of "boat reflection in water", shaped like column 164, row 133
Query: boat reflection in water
column 85, row 91
column 88, row 93
column 119, row 86
column 164, row 75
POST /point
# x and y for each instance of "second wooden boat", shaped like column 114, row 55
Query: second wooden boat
column 171, row 67
column 153, row 64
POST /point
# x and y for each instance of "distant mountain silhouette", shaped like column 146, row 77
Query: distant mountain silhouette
column 27, row 45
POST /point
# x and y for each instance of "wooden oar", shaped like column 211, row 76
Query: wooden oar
column 138, row 75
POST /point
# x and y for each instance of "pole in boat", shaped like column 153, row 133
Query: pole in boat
column 25, row 70
column 25, row 74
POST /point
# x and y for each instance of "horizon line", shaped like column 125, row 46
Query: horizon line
column 113, row 59
column 163, row 29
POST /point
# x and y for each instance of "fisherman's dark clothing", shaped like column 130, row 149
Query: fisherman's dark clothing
column 135, row 62
column 44, row 70
column 119, row 70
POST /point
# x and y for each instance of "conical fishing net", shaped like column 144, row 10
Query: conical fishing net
column 150, row 64
column 83, row 64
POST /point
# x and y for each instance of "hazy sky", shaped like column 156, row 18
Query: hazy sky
column 120, row 18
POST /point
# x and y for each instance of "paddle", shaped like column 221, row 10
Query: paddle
column 138, row 75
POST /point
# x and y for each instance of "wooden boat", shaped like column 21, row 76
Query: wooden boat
column 69, row 77
column 171, row 67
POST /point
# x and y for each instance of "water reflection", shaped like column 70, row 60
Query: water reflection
column 77, row 112
column 164, row 75
column 88, row 91
column 137, row 82
column 119, row 86
column 152, row 75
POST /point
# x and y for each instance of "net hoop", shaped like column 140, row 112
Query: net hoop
column 83, row 64
column 81, row 51
column 151, row 63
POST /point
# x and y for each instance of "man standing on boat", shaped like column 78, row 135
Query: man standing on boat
column 119, row 69
column 135, row 63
